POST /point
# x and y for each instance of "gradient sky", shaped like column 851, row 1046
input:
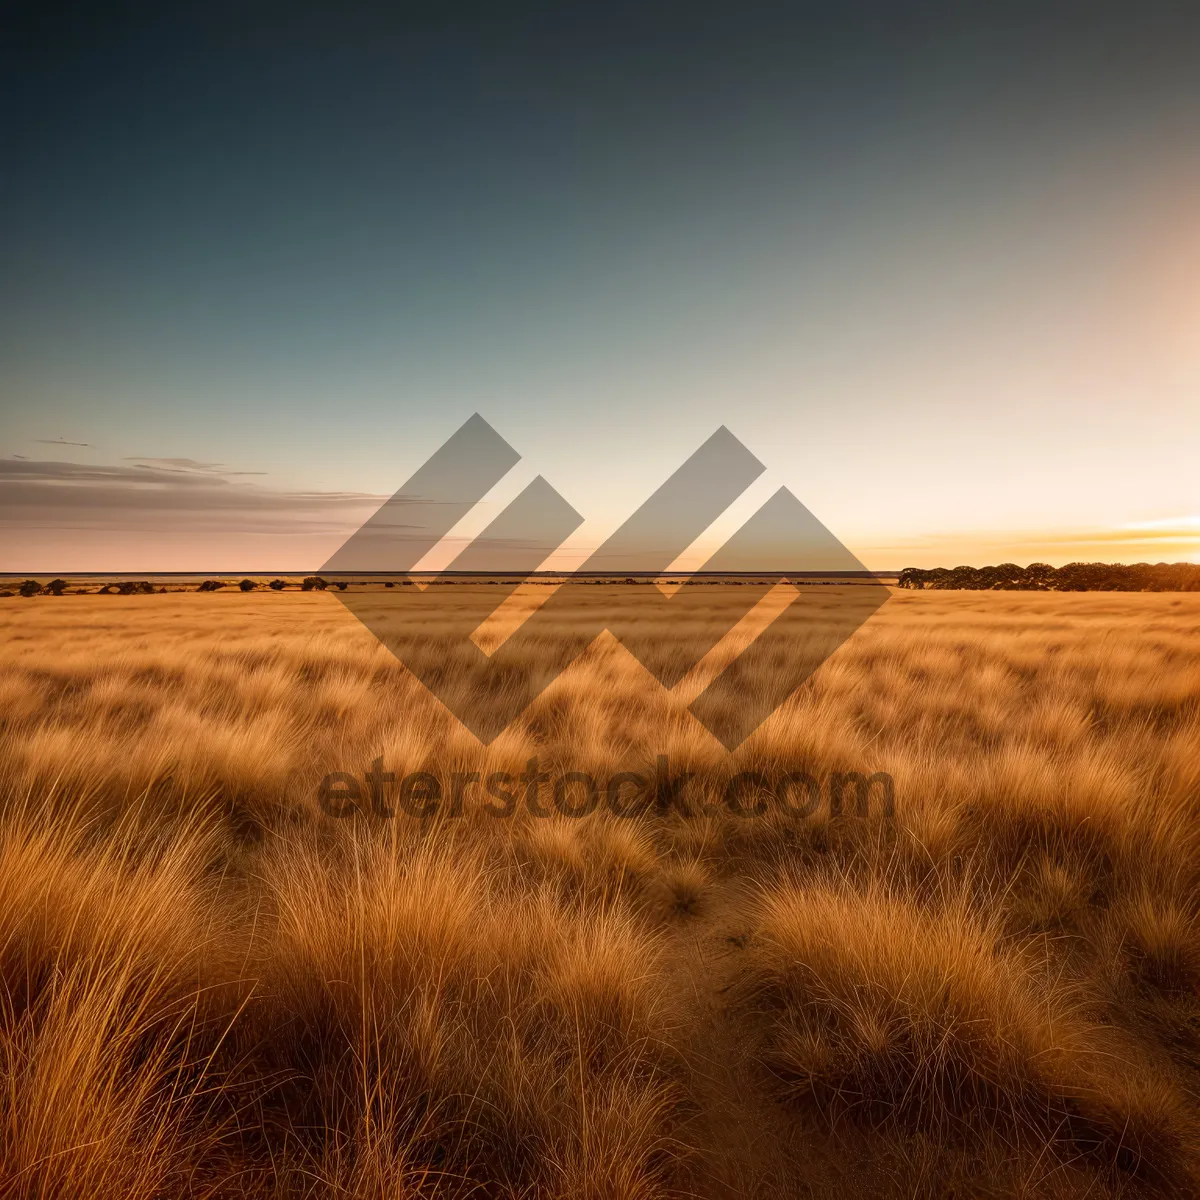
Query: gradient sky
column 939, row 270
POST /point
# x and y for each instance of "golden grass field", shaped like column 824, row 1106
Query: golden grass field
column 210, row 988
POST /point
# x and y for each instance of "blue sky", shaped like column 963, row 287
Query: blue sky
column 940, row 272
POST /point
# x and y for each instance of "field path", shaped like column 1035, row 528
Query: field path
column 748, row 1147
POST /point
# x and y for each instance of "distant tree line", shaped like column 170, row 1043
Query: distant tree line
column 1074, row 577
column 136, row 587
column 1037, row 577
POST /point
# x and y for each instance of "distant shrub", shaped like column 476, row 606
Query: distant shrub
column 247, row 585
column 210, row 585
column 313, row 583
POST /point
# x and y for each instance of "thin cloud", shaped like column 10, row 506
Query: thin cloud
column 62, row 442
column 156, row 498
column 189, row 466
column 1168, row 523
column 1176, row 540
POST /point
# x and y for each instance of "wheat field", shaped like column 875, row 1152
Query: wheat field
column 210, row 986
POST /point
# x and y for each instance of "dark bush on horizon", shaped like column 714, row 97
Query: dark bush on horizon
column 210, row 585
column 1074, row 577
column 313, row 583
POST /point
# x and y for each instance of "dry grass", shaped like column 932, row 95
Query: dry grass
column 208, row 988
column 893, row 1011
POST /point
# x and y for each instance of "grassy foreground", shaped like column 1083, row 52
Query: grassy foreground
column 208, row 987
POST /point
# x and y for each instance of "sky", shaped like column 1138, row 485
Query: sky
column 937, row 269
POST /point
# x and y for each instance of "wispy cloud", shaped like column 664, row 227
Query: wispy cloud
column 1172, row 539
column 163, row 495
column 62, row 442
column 1170, row 524
column 189, row 466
